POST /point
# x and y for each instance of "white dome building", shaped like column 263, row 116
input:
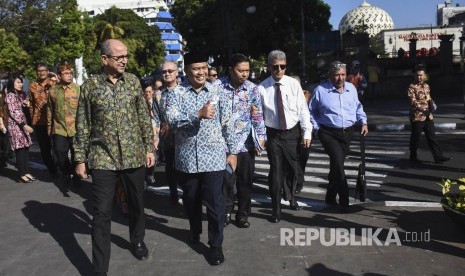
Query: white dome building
column 374, row 18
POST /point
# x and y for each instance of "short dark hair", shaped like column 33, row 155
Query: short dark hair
column 419, row 67
column 10, row 86
column 41, row 65
column 237, row 58
column 64, row 67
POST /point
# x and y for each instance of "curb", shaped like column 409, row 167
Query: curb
column 405, row 127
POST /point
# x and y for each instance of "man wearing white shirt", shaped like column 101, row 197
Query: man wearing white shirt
column 286, row 115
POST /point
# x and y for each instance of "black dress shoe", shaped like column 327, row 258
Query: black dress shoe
column 414, row 160
column 294, row 205
column 345, row 209
column 227, row 219
column 243, row 223
column 215, row 256
column 139, row 250
column 331, row 202
column 441, row 160
column 298, row 190
column 274, row 219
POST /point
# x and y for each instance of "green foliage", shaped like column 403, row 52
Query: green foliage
column 454, row 199
column 50, row 31
column 12, row 56
column 222, row 27
column 143, row 41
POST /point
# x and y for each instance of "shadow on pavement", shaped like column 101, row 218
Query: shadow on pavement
column 62, row 222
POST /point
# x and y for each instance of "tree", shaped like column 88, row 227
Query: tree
column 143, row 41
column 50, row 31
column 221, row 27
column 12, row 56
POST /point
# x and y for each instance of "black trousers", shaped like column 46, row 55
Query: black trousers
column 22, row 161
column 4, row 147
column 336, row 144
column 45, row 147
column 62, row 145
column 282, row 148
column 206, row 188
column 242, row 179
column 303, row 159
column 430, row 134
column 103, row 189
column 170, row 171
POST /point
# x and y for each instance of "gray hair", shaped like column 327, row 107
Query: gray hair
column 336, row 66
column 169, row 62
column 276, row 55
column 105, row 48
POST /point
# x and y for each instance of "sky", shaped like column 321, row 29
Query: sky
column 404, row 13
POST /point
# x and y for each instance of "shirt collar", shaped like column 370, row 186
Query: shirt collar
column 331, row 88
column 226, row 82
column 64, row 86
column 104, row 77
column 206, row 87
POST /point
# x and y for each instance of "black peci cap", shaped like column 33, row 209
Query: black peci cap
column 195, row 57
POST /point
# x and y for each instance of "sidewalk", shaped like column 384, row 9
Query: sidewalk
column 393, row 115
column 46, row 231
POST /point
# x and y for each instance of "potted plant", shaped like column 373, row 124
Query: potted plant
column 453, row 201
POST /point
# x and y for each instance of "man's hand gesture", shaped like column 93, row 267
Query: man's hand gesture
column 207, row 111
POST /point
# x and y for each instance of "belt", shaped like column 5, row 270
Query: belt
column 338, row 129
column 282, row 130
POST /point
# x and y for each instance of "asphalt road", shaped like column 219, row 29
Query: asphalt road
column 46, row 226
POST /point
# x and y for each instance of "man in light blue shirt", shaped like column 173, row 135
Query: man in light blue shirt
column 335, row 109
column 200, row 116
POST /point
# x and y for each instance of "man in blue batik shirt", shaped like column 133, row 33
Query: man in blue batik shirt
column 243, row 95
column 335, row 109
column 201, row 118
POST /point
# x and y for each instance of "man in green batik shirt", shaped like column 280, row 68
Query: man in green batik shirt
column 61, row 118
column 114, row 136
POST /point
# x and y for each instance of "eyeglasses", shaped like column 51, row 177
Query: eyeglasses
column 279, row 66
column 119, row 58
column 213, row 75
column 167, row 71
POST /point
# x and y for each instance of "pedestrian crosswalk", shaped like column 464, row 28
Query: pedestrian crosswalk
column 383, row 151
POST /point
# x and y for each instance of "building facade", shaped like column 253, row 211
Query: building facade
column 428, row 41
column 155, row 13
column 446, row 12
